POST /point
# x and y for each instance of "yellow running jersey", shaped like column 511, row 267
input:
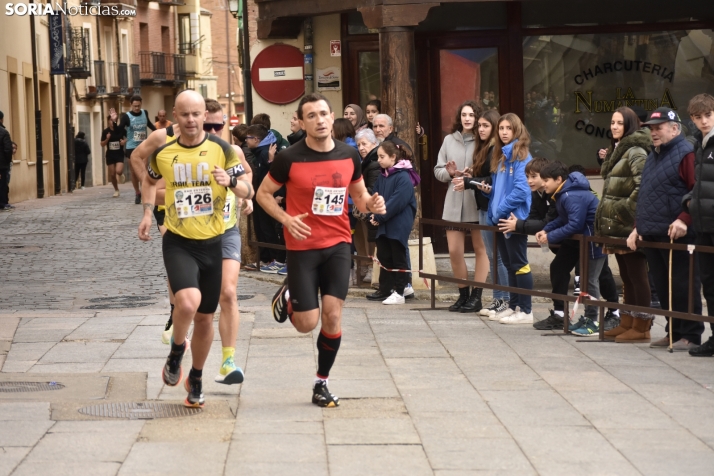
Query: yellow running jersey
column 169, row 137
column 194, row 201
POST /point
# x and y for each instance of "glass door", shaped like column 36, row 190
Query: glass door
column 457, row 72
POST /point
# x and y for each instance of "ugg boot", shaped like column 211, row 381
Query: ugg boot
column 474, row 302
column 625, row 325
column 463, row 297
column 640, row 332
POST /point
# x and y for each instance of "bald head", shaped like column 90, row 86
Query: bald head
column 190, row 113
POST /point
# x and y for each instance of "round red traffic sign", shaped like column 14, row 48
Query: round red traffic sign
column 278, row 74
column 233, row 121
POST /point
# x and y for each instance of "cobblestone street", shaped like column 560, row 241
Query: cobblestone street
column 82, row 307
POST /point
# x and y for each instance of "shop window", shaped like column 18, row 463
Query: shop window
column 369, row 85
column 557, row 13
column 573, row 83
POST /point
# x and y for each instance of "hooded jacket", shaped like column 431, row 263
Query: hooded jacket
column 398, row 194
column 5, row 148
column 510, row 192
column 700, row 201
column 622, row 171
column 543, row 211
column 262, row 159
column 458, row 206
column 370, row 174
column 576, row 206
column 296, row 136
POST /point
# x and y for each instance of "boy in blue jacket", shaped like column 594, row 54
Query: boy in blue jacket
column 576, row 206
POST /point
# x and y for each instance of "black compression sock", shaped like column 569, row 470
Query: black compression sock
column 327, row 347
column 178, row 348
column 195, row 374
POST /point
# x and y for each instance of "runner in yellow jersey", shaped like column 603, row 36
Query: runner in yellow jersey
column 197, row 168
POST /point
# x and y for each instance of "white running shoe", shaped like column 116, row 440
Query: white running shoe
column 116, row 194
column 408, row 292
column 500, row 315
column 167, row 334
column 368, row 277
column 518, row 318
column 498, row 305
column 395, row 298
column 122, row 178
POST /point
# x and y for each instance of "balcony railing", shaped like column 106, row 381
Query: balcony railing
column 119, row 74
column 136, row 79
column 77, row 61
column 159, row 67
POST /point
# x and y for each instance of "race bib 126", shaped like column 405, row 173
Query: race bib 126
column 193, row 202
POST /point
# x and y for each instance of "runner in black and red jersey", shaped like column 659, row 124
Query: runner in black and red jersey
column 318, row 173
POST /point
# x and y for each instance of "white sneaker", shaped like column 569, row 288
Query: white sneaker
column 500, row 315
column 116, row 194
column 408, row 292
column 395, row 298
column 166, row 335
column 122, row 178
column 368, row 277
column 518, row 318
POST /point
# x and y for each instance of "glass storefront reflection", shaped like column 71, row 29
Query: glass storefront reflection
column 369, row 85
column 573, row 83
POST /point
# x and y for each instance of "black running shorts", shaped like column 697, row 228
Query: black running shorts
column 326, row 270
column 159, row 215
column 115, row 160
column 195, row 264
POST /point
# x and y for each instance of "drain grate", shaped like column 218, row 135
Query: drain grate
column 16, row 387
column 119, row 302
column 245, row 297
column 139, row 410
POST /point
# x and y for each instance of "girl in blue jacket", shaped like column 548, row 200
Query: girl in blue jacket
column 508, row 195
column 396, row 184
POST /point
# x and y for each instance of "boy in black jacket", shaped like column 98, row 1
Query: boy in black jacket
column 698, row 203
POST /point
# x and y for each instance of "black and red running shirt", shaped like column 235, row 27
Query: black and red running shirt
column 301, row 170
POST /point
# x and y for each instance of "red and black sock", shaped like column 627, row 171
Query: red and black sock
column 327, row 347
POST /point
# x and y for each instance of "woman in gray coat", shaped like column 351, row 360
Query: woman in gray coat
column 455, row 158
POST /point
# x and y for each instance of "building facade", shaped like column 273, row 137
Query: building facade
column 563, row 67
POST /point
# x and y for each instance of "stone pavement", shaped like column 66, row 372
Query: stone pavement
column 422, row 392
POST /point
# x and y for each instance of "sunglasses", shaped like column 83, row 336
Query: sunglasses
column 208, row 127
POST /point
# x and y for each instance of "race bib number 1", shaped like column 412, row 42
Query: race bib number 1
column 329, row 201
column 193, row 202
column 228, row 208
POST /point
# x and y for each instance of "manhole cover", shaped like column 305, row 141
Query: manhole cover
column 14, row 387
column 245, row 297
column 121, row 298
column 139, row 410
column 120, row 302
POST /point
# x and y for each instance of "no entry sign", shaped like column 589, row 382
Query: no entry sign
column 277, row 74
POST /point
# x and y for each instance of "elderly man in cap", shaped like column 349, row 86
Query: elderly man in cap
column 668, row 176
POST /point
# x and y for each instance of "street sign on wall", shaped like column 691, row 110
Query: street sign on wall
column 278, row 74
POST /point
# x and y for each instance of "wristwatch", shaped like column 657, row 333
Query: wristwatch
column 234, row 182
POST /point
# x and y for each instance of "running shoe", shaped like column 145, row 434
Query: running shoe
column 137, row 199
column 168, row 333
column 589, row 328
column 611, row 320
column 172, row 372
column 409, row 292
column 322, row 397
column 282, row 309
column 122, row 178
column 518, row 318
column 500, row 315
column 550, row 323
column 576, row 286
column 116, row 194
column 251, row 267
column 272, row 268
column 496, row 306
column 229, row 374
column 581, row 322
column 395, row 298
column 368, row 277
column 283, row 271
column 194, row 387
